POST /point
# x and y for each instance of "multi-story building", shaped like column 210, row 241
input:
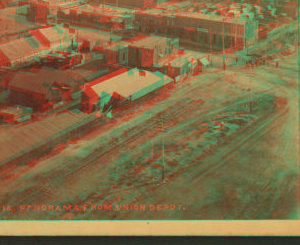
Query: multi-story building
column 12, row 29
column 38, row 12
column 97, row 17
column 22, row 51
column 147, row 51
column 212, row 32
column 128, row 3
column 55, row 4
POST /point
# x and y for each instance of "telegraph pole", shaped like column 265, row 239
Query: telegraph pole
column 163, row 152
column 223, row 48
column 210, row 43
column 250, row 88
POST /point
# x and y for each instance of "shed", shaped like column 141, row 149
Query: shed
column 123, row 85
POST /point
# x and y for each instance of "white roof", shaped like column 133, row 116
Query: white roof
column 130, row 83
column 53, row 34
column 20, row 48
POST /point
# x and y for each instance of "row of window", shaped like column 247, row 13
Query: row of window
column 227, row 28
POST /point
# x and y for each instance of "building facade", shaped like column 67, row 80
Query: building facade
column 128, row 3
column 203, row 30
column 103, row 18
column 147, row 51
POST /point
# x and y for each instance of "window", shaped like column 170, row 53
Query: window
column 194, row 36
column 205, row 37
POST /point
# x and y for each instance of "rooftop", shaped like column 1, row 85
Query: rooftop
column 20, row 48
column 12, row 24
column 146, row 41
column 111, row 11
column 126, row 83
column 117, row 46
column 39, row 83
column 91, row 34
column 193, row 15
column 177, row 59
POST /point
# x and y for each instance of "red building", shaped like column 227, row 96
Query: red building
column 38, row 12
column 146, row 51
column 122, row 85
column 98, row 17
column 90, row 97
column 42, row 90
column 117, row 54
column 198, row 29
column 181, row 64
column 129, row 3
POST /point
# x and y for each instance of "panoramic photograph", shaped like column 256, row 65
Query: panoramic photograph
column 157, row 110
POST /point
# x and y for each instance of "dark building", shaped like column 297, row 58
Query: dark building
column 42, row 90
column 97, row 17
column 38, row 12
column 128, row 3
column 211, row 32
column 146, row 51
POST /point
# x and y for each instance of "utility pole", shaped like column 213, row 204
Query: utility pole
column 250, row 88
column 223, row 48
column 210, row 43
column 163, row 152
column 152, row 167
column 235, row 41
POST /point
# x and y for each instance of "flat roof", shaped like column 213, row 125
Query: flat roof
column 85, row 33
column 177, row 59
column 194, row 15
column 108, row 11
column 117, row 46
column 147, row 41
column 14, row 25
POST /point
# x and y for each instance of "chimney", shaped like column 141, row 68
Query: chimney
column 142, row 73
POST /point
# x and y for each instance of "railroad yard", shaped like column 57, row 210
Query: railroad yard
column 178, row 111
column 188, row 144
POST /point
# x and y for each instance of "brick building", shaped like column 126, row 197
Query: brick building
column 200, row 29
column 121, row 85
column 38, row 12
column 117, row 54
column 181, row 63
column 42, row 90
column 128, row 3
column 97, row 17
column 146, row 51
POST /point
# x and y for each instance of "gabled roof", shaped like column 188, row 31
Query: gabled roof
column 102, row 79
column 38, row 35
column 39, row 82
column 20, row 48
column 129, row 83
column 3, row 58
column 53, row 34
